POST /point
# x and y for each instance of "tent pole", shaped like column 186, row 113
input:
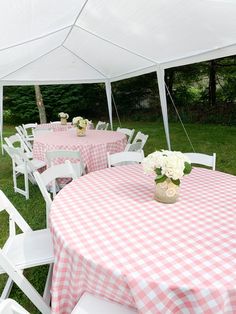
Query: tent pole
column 109, row 101
column 163, row 100
column 1, row 116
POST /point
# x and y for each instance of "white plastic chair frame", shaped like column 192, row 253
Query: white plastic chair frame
column 72, row 155
column 128, row 132
column 140, row 137
column 22, row 165
column 10, row 306
column 202, row 159
column 20, row 131
column 25, row 250
column 90, row 304
column 124, row 158
column 29, row 127
column 16, row 139
column 48, row 177
column 102, row 125
column 38, row 132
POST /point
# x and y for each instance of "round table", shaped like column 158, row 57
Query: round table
column 112, row 239
column 93, row 147
column 58, row 127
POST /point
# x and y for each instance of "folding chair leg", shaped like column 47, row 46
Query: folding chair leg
column 47, row 288
column 7, row 289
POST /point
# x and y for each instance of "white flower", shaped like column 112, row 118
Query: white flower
column 166, row 164
column 80, row 122
column 63, row 115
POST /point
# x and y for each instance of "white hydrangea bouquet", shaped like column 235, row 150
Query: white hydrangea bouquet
column 63, row 115
column 81, row 124
column 169, row 167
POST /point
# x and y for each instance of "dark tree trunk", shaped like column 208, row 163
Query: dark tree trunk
column 212, row 83
column 40, row 104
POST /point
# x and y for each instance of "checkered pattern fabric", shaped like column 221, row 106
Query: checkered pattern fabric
column 57, row 127
column 111, row 238
column 93, row 147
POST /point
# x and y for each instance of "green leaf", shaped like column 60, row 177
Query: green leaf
column 187, row 168
column 176, row 182
column 160, row 179
column 158, row 171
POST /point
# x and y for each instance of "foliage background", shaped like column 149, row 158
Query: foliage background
column 192, row 87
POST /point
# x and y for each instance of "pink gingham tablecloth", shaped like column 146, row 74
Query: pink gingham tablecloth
column 93, row 147
column 58, row 127
column 112, row 239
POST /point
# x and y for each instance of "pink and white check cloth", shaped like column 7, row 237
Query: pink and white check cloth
column 93, row 147
column 56, row 127
column 112, row 239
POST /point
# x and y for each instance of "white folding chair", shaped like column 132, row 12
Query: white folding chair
column 21, row 164
column 20, row 131
column 17, row 141
column 10, row 306
column 138, row 142
column 202, row 159
column 90, row 304
column 28, row 130
column 38, row 132
column 47, row 181
column 102, row 125
column 25, row 250
column 128, row 132
column 124, row 158
column 59, row 156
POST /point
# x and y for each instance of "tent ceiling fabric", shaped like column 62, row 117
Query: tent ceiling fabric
column 51, row 41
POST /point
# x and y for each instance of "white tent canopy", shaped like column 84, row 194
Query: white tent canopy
column 89, row 41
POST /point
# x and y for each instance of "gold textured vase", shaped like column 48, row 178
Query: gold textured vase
column 63, row 121
column 81, row 132
column 166, row 192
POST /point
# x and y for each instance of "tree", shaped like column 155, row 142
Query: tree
column 40, row 104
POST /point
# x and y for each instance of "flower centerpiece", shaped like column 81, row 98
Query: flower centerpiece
column 81, row 125
column 169, row 168
column 63, row 116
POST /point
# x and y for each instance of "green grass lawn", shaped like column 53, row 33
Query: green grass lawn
column 205, row 138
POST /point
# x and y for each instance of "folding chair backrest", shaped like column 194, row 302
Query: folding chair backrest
column 136, row 147
column 16, row 141
column 140, row 137
column 202, row 159
column 124, row 158
column 14, row 215
column 50, row 175
column 128, row 132
column 102, row 125
column 59, row 156
column 20, row 131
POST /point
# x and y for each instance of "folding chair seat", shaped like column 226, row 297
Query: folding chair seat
column 124, row 158
column 10, row 306
column 202, row 159
column 128, row 132
column 90, row 304
column 25, row 250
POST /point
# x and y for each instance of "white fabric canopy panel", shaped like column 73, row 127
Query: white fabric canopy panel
column 90, row 41
column 113, row 39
